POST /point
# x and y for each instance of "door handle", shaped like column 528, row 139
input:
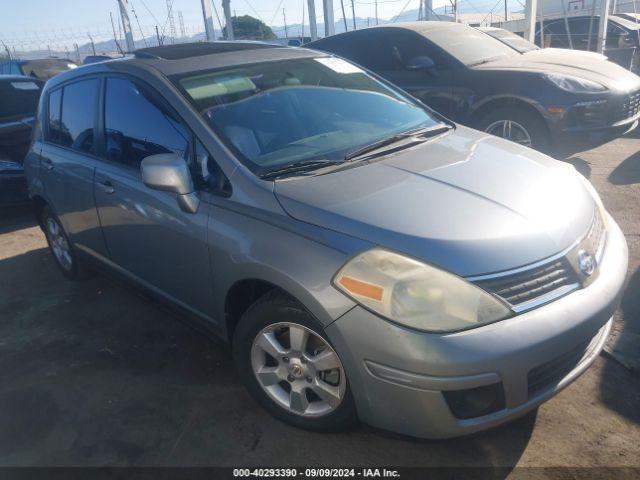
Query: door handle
column 107, row 187
column 48, row 164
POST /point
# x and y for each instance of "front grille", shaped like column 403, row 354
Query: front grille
column 551, row 373
column 630, row 107
column 531, row 284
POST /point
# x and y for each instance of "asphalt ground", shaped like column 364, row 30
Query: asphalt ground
column 94, row 373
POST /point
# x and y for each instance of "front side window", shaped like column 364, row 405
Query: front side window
column 138, row 124
column 285, row 112
column 466, row 44
column 79, row 103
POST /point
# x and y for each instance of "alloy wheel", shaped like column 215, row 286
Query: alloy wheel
column 59, row 245
column 298, row 369
column 511, row 131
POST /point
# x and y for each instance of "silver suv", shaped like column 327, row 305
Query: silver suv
column 366, row 258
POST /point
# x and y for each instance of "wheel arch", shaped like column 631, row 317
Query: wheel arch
column 494, row 103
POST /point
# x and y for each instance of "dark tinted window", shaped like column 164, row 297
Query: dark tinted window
column 401, row 47
column 138, row 124
column 53, row 133
column 79, row 101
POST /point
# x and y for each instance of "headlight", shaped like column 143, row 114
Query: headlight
column 415, row 294
column 574, row 84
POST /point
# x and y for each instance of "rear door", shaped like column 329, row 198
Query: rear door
column 146, row 232
column 68, row 160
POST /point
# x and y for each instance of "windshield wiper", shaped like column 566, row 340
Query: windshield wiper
column 420, row 133
column 297, row 167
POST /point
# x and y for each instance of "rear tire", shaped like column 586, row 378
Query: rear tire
column 280, row 342
column 61, row 247
column 518, row 125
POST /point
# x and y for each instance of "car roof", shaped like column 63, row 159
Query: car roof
column 187, row 58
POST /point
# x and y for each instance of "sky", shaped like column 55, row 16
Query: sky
column 36, row 24
column 25, row 23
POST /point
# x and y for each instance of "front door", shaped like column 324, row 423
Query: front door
column 146, row 232
column 68, row 161
column 434, row 86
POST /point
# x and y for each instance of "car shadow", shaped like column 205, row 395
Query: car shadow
column 627, row 172
column 93, row 374
column 626, row 352
column 580, row 165
column 16, row 218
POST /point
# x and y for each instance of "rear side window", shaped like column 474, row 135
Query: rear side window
column 138, row 123
column 79, row 101
column 53, row 130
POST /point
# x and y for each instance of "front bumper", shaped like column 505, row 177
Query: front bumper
column 398, row 375
column 591, row 122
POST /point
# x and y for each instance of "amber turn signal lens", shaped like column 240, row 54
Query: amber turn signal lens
column 362, row 289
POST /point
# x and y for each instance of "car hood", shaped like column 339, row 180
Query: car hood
column 608, row 74
column 562, row 56
column 467, row 202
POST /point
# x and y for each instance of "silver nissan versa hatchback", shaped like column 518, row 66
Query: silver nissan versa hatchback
column 366, row 258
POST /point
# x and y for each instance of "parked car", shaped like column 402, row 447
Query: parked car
column 366, row 257
column 479, row 81
column 518, row 43
column 43, row 69
column 13, row 185
column 623, row 37
column 19, row 97
column 96, row 58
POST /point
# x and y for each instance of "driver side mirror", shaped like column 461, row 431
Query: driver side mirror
column 169, row 172
column 422, row 63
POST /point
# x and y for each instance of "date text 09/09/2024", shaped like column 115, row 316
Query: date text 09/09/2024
column 316, row 473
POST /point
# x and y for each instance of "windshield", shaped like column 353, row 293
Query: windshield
column 514, row 41
column 293, row 111
column 467, row 44
column 45, row 69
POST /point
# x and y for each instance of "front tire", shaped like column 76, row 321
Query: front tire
column 289, row 367
column 518, row 125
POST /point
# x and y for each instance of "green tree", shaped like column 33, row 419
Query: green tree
column 248, row 28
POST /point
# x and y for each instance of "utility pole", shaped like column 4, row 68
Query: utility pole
column 530, row 10
column 302, row 35
column 313, row 27
column 181, row 23
column 158, row 36
column 329, row 27
column 376, row 3
column 506, row 10
column 115, row 37
column 126, row 26
column 353, row 14
column 75, row 45
column 93, row 45
column 172, row 23
column 226, row 6
column 208, row 20
column 428, row 8
column 284, row 19
column 455, row 6
column 602, row 27
column 344, row 16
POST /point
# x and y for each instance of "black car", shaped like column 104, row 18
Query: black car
column 19, row 97
column 621, row 47
column 42, row 68
column 95, row 59
column 13, row 185
column 479, row 81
